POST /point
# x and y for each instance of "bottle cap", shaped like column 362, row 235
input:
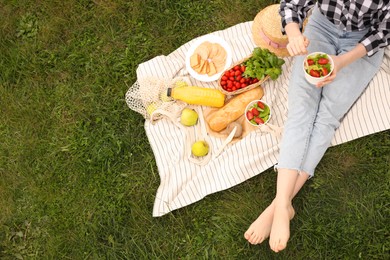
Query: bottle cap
column 169, row 92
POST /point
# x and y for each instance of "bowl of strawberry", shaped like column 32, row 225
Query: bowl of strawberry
column 234, row 80
column 317, row 66
column 257, row 113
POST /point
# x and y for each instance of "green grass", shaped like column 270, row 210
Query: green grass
column 77, row 174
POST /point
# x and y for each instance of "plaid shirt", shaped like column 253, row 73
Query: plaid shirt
column 348, row 16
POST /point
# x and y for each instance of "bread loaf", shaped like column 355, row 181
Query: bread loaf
column 233, row 109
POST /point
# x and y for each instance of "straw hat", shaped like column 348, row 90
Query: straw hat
column 266, row 31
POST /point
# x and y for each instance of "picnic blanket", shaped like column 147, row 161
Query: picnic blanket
column 184, row 182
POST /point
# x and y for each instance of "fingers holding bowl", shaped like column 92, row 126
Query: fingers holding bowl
column 318, row 68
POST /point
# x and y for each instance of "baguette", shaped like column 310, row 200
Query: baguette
column 233, row 109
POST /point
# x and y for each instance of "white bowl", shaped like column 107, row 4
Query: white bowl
column 266, row 111
column 310, row 78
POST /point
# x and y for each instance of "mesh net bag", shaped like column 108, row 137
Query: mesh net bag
column 148, row 96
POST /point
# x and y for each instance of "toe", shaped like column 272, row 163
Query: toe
column 260, row 240
column 281, row 246
column 248, row 234
column 273, row 245
column 253, row 238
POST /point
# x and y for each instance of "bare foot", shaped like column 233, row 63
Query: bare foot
column 280, row 232
column 260, row 229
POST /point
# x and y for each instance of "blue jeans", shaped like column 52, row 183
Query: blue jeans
column 315, row 113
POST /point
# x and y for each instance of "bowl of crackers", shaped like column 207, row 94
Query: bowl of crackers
column 208, row 58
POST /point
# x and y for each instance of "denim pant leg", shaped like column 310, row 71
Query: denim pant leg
column 337, row 98
column 304, row 98
column 315, row 113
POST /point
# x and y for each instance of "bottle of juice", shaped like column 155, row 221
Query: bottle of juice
column 197, row 96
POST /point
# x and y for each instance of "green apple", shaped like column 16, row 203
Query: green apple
column 151, row 107
column 188, row 117
column 181, row 83
column 164, row 97
column 200, row 148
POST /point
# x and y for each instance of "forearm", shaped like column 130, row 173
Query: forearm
column 354, row 54
column 292, row 29
column 343, row 60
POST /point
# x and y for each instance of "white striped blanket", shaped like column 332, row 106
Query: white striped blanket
column 183, row 182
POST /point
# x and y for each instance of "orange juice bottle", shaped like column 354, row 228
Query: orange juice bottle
column 197, row 96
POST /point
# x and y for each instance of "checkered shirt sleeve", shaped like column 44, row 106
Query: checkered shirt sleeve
column 294, row 11
column 348, row 16
column 378, row 35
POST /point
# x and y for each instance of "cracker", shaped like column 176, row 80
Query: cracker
column 195, row 60
column 208, row 58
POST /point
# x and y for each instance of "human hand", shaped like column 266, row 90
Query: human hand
column 297, row 42
column 297, row 45
column 337, row 65
column 343, row 60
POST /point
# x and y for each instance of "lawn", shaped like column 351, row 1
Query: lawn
column 77, row 174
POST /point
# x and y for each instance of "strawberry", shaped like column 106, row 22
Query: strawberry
column 310, row 62
column 314, row 73
column 260, row 105
column 249, row 115
column 255, row 112
column 259, row 121
column 324, row 71
column 323, row 61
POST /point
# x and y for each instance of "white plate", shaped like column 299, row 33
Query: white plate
column 212, row 39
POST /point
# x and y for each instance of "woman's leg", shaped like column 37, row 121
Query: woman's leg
column 260, row 229
column 337, row 99
column 304, row 100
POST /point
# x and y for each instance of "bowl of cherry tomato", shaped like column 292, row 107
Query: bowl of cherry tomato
column 317, row 66
column 257, row 113
column 233, row 81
